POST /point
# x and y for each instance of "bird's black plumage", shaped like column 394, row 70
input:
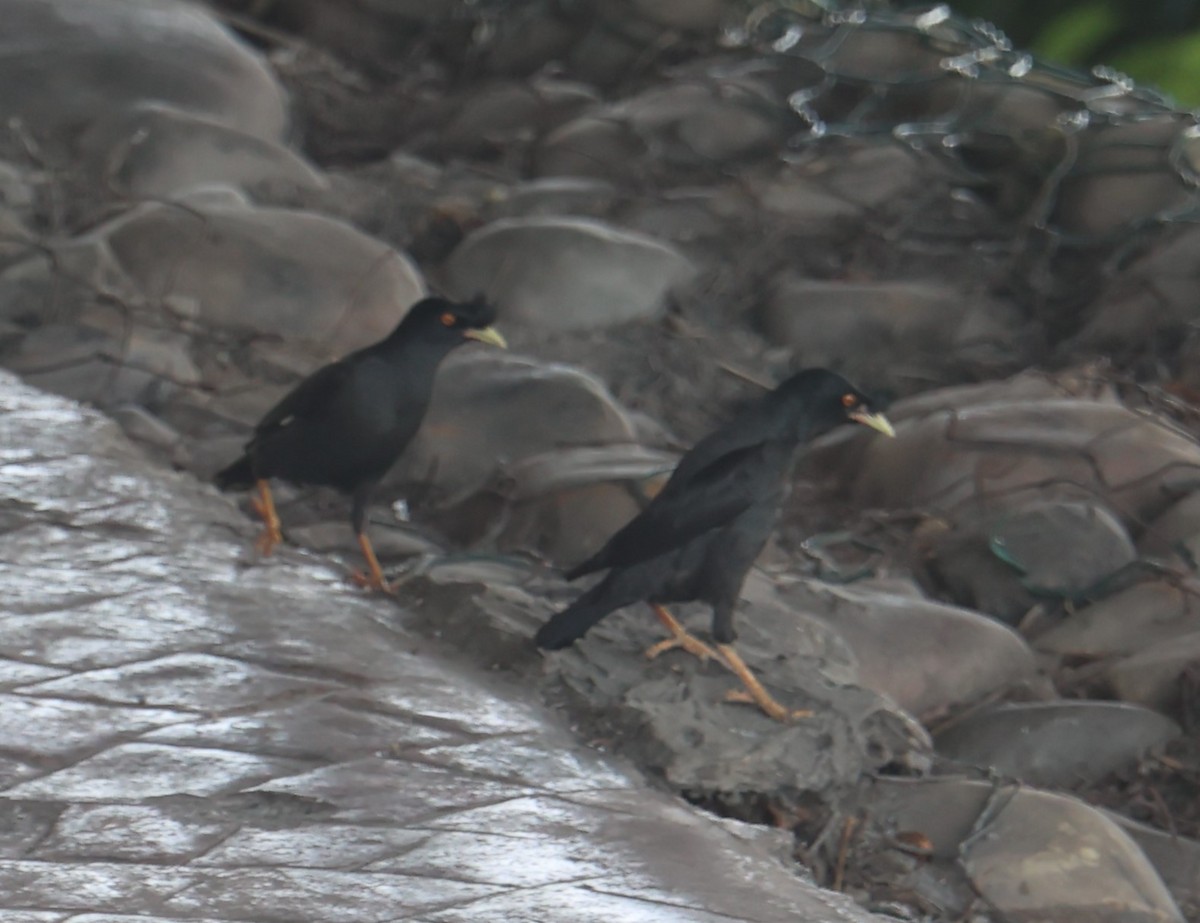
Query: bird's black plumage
column 347, row 423
column 697, row 538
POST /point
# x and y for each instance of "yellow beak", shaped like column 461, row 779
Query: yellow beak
column 489, row 335
column 876, row 421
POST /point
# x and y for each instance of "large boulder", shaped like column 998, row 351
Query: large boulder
column 66, row 65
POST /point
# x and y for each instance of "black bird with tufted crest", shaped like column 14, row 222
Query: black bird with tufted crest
column 346, row 424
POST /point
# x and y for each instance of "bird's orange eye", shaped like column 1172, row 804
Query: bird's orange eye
column 449, row 319
column 849, row 400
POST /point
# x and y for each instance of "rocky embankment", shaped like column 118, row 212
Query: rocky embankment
column 994, row 616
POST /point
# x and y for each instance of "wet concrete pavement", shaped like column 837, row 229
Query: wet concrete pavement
column 185, row 734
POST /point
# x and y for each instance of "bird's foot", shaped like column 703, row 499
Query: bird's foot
column 267, row 539
column 373, row 579
column 264, row 506
column 680, row 638
column 755, row 693
column 370, row 581
column 771, row 708
column 684, row 641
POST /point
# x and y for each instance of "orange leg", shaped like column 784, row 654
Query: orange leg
column 373, row 579
column 679, row 638
column 754, row 692
column 264, row 505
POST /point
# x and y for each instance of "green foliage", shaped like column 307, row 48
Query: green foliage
column 1170, row 64
column 1075, row 34
column 1156, row 42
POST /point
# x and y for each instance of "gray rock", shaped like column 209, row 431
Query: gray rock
column 556, row 196
column 563, row 504
column 1062, row 548
column 690, row 215
column 153, row 150
column 254, row 271
column 508, row 116
column 66, row 65
column 808, row 205
column 266, row 271
column 861, row 327
column 877, row 175
column 714, row 122
column 1176, row 858
column 670, row 713
column 926, row 656
column 1175, row 532
column 1154, row 292
column 143, row 427
column 691, row 15
column 567, row 273
column 591, row 146
column 17, row 197
column 525, row 38
column 956, row 562
column 491, row 410
column 1032, row 855
column 1153, row 675
column 1127, row 621
column 688, row 124
column 104, row 359
column 1029, row 385
column 964, row 459
column 1120, row 179
column 1046, row 856
column 1057, row 744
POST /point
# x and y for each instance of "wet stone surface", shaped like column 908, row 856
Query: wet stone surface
column 186, row 736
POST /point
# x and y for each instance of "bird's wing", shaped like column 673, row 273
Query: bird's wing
column 702, row 499
column 307, row 399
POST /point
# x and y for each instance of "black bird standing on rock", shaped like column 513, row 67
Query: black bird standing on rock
column 699, row 536
column 346, row 424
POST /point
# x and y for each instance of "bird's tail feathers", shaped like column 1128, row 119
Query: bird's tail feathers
column 573, row 622
column 238, row 476
column 585, row 567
